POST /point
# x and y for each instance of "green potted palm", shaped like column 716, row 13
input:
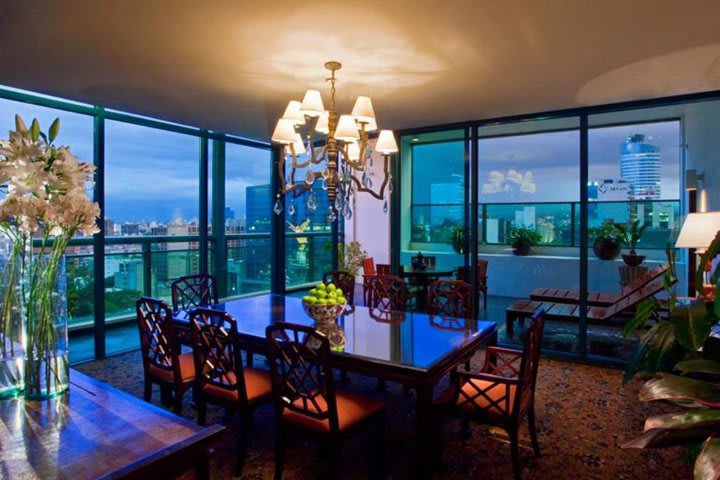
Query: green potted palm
column 608, row 240
column 634, row 234
column 522, row 239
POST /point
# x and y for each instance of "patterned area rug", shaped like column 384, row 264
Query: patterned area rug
column 584, row 413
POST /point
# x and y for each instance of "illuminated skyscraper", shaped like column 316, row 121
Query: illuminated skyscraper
column 640, row 164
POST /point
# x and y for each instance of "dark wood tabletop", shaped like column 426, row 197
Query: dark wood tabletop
column 97, row 431
column 409, row 271
column 406, row 347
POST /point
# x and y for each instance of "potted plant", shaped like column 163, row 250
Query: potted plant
column 608, row 240
column 522, row 239
column 681, row 372
column 634, row 234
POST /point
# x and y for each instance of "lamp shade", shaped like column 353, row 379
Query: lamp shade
column 284, row 132
column 386, row 142
column 292, row 112
column 698, row 230
column 353, row 150
column 299, row 145
column 347, row 130
column 322, row 123
column 363, row 111
column 312, row 104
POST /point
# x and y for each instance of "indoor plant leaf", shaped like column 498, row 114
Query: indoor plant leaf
column 655, row 352
column 701, row 417
column 35, row 129
column 664, row 437
column 707, row 464
column 699, row 365
column 54, row 130
column 691, row 325
column 683, row 389
column 642, row 315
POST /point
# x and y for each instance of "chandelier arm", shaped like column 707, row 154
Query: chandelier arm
column 380, row 194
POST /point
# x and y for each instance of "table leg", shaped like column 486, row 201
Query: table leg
column 509, row 320
column 202, row 467
column 426, row 437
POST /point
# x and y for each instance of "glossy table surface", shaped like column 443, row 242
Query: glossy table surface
column 410, row 340
column 96, row 431
column 409, row 271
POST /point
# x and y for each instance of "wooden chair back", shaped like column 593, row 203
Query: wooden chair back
column 345, row 281
column 384, row 269
column 527, row 375
column 463, row 274
column 218, row 361
column 193, row 291
column 301, row 373
column 450, row 298
column 387, row 292
column 158, row 345
column 368, row 265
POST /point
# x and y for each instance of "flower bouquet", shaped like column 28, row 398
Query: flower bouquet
column 43, row 204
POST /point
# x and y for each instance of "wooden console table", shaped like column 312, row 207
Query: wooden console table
column 97, row 431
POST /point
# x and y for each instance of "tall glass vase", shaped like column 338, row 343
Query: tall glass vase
column 46, row 364
column 12, row 322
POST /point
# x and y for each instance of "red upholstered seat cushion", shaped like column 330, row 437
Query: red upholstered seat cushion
column 257, row 385
column 187, row 370
column 481, row 405
column 352, row 409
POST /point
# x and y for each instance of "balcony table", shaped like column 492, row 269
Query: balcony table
column 97, row 431
column 402, row 347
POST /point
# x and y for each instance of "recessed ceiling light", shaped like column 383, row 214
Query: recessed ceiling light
column 415, row 139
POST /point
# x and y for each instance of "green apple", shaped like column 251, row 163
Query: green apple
column 321, row 294
column 331, row 287
column 321, row 286
column 341, row 300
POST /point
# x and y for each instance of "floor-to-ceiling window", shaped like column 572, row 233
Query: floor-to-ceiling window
column 152, row 207
column 248, row 216
column 528, row 196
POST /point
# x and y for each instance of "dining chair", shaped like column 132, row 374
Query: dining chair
column 384, row 269
column 450, row 298
column 387, row 292
column 464, row 274
column 193, row 291
column 345, row 281
column 163, row 362
column 306, row 399
column 368, row 265
column 502, row 394
column 221, row 378
column 429, row 261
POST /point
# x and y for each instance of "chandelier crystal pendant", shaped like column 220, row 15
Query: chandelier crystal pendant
column 319, row 145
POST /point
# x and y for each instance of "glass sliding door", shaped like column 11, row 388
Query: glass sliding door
column 635, row 165
column 434, row 197
column 528, row 194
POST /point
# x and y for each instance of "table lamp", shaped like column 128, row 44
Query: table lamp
column 698, row 231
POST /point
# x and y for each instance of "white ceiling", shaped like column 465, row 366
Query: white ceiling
column 232, row 65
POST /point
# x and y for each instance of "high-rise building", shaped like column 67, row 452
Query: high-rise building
column 640, row 164
column 258, row 208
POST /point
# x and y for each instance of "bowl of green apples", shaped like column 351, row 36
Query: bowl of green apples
column 324, row 303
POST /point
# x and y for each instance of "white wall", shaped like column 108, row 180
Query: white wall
column 370, row 225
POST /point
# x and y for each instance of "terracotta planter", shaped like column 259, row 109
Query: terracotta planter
column 521, row 250
column 633, row 260
column 606, row 250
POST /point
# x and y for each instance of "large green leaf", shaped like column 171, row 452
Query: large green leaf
column 707, row 464
column 692, row 326
column 701, row 417
column 642, row 315
column 676, row 388
column 699, row 365
column 664, row 437
column 657, row 351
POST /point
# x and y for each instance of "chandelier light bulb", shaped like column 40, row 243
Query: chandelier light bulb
column 347, row 129
column 312, row 104
column 292, row 112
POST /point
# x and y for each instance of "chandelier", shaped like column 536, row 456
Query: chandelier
column 320, row 146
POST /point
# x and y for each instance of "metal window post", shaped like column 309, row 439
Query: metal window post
column 99, row 238
column 474, row 185
column 218, row 216
column 204, row 222
column 582, row 334
column 277, row 224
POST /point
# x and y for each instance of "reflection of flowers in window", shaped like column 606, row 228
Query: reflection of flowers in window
column 511, row 181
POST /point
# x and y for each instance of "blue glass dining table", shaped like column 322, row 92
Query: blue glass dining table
column 414, row 349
